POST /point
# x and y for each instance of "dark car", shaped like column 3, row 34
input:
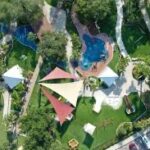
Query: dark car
column 133, row 146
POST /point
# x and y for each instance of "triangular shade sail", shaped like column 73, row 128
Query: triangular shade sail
column 58, row 73
column 62, row 109
column 69, row 91
column 108, row 76
column 13, row 76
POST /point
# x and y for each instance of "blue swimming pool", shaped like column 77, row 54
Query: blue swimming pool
column 95, row 51
column 21, row 34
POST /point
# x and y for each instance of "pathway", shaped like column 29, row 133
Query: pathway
column 124, row 86
column 7, row 103
column 32, row 84
column 119, row 5
column 144, row 13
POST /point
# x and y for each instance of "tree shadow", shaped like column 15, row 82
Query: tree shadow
column 115, row 89
column 131, row 88
column 88, row 140
column 63, row 128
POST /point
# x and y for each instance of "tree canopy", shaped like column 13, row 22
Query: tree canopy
column 27, row 11
column 38, row 125
column 92, row 10
column 52, row 48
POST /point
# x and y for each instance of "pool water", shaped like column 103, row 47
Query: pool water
column 95, row 51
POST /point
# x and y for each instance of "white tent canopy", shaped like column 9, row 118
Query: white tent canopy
column 13, row 76
column 89, row 128
column 108, row 76
column 69, row 91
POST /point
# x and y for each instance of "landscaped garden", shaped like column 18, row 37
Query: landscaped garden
column 38, row 129
column 106, row 121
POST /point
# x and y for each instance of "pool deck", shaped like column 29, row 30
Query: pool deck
column 109, row 45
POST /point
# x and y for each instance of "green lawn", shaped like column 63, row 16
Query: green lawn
column 136, row 41
column 3, row 129
column 14, row 57
column 84, row 114
column 115, row 59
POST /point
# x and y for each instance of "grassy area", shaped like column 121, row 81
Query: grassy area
column 115, row 59
column 19, row 50
column 3, row 129
column 136, row 41
column 84, row 114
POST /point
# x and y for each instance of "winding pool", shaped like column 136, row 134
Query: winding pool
column 95, row 51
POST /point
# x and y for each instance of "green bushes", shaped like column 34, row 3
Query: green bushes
column 122, row 64
column 141, row 71
column 124, row 129
column 17, row 97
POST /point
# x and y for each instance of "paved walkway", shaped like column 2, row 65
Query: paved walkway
column 7, row 103
column 119, row 5
column 32, row 84
column 113, row 95
column 144, row 13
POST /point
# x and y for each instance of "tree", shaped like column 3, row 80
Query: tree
column 27, row 11
column 141, row 70
column 122, row 64
column 146, row 99
column 92, row 10
column 131, row 12
column 52, row 48
column 39, row 127
column 76, row 53
column 124, row 129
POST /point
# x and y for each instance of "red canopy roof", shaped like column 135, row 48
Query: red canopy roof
column 58, row 73
column 62, row 109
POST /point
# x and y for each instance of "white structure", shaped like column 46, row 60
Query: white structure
column 13, row 76
column 108, row 76
column 70, row 91
column 89, row 128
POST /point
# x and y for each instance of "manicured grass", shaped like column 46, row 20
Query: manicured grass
column 84, row 114
column 3, row 130
column 102, row 135
column 14, row 57
column 114, row 61
column 135, row 46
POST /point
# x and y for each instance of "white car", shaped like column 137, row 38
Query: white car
column 146, row 141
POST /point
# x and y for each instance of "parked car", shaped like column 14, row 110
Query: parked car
column 132, row 146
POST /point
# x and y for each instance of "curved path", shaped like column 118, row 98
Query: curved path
column 7, row 103
column 144, row 13
column 113, row 95
column 119, row 5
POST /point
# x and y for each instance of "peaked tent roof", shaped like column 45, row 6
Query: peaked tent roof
column 70, row 91
column 62, row 109
column 58, row 73
column 13, row 76
column 108, row 76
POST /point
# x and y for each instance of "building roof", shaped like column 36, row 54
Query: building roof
column 62, row 109
column 13, row 76
column 108, row 76
column 58, row 73
column 70, row 91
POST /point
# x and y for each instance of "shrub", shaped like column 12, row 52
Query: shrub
column 124, row 129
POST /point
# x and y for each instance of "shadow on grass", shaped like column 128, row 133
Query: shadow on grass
column 88, row 140
column 62, row 129
column 139, row 106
